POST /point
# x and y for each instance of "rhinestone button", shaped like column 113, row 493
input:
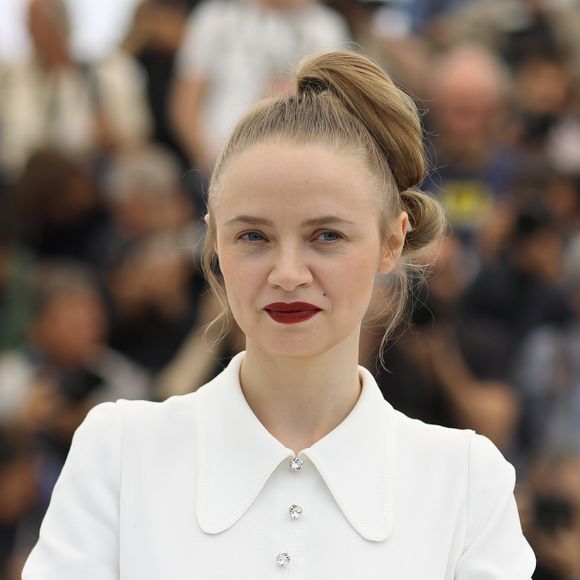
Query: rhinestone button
column 295, row 511
column 283, row 559
column 296, row 464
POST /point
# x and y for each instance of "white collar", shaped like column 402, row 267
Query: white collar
column 355, row 459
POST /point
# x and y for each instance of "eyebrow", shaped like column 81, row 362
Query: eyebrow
column 258, row 221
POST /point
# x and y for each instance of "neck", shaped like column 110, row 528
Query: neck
column 299, row 400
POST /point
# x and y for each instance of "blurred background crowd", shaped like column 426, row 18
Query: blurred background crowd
column 106, row 145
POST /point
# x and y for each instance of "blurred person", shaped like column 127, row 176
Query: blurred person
column 58, row 207
column 408, row 34
column 235, row 53
column 539, row 42
column 449, row 368
column 68, row 332
column 148, row 257
column 551, row 512
column 547, row 111
column 153, row 39
column 145, row 193
column 84, row 108
column 21, row 507
column 547, row 375
column 563, row 143
column 467, row 105
column 564, row 195
column 521, row 288
column 540, row 185
column 548, row 100
column 154, row 295
column 542, row 88
column 519, row 29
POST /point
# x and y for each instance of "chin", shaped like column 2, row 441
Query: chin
column 299, row 346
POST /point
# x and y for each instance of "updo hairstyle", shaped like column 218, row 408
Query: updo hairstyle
column 344, row 100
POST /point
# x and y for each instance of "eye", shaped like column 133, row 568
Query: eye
column 253, row 237
column 331, row 233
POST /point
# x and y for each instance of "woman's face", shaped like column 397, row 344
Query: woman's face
column 273, row 244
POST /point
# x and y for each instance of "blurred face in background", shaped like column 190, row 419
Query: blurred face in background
column 542, row 86
column 48, row 29
column 141, row 213
column 71, row 327
column 466, row 89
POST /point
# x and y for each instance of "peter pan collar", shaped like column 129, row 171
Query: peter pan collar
column 237, row 455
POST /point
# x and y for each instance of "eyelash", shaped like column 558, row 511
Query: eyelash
column 240, row 237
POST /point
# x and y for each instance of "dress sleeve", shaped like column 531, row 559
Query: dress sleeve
column 79, row 533
column 495, row 547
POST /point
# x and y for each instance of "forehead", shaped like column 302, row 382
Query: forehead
column 296, row 181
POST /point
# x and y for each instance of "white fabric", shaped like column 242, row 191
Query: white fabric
column 39, row 108
column 196, row 487
column 237, row 47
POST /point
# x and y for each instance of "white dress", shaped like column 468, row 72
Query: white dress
column 197, row 488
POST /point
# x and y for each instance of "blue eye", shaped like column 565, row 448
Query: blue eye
column 251, row 241
column 338, row 236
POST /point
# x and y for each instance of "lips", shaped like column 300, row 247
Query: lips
column 291, row 307
column 291, row 312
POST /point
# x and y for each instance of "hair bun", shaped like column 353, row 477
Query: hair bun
column 427, row 221
column 389, row 115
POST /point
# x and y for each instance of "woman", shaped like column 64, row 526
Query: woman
column 290, row 463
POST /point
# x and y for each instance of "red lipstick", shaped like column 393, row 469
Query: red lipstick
column 291, row 313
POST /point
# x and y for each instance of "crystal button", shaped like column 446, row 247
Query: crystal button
column 295, row 511
column 283, row 559
column 296, row 464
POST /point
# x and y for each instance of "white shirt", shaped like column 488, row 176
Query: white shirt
column 197, row 488
column 238, row 46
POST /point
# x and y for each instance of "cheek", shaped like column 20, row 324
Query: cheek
column 241, row 276
column 350, row 282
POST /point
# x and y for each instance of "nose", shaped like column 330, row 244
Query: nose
column 289, row 269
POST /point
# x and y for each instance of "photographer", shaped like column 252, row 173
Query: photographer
column 551, row 514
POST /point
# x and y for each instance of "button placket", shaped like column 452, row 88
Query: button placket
column 295, row 511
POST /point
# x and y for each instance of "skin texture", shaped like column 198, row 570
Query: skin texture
column 301, row 380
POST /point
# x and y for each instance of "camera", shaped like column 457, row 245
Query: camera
column 553, row 513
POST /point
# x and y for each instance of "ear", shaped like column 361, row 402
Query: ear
column 392, row 252
column 206, row 220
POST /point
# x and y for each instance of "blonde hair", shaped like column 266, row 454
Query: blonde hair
column 345, row 100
